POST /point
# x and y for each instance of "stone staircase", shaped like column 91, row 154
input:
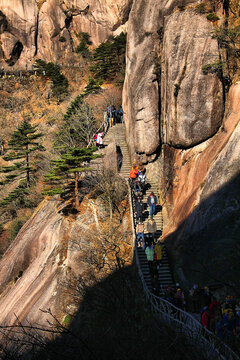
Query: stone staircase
column 117, row 134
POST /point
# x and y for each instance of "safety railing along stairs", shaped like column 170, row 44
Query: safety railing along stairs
column 174, row 317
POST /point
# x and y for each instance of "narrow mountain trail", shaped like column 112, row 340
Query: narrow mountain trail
column 118, row 135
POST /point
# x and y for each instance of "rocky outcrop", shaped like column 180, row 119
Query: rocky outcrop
column 18, row 35
column 166, row 50
column 49, row 252
column 192, row 102
column 49, row 29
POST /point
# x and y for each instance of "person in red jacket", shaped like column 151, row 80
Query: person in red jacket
column 205, row 317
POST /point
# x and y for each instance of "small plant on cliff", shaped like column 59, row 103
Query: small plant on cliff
column 213, row 68
column 52, row 71
column 83, row 47
column 65, row 174
column 21, row 147
column 212, row 17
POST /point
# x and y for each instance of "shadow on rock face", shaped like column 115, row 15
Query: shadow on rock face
column 206, row 245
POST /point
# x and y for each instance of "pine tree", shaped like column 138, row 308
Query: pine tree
column 22, row 144
column 67, row 169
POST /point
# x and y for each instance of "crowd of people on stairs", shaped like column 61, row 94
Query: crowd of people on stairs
column 223, row 319
column 113, row 116
column 146, row 235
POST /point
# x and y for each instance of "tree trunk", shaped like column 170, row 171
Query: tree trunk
column 28, row 171
column 76, row 191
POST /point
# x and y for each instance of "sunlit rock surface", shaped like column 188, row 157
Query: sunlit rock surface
column 49, row 29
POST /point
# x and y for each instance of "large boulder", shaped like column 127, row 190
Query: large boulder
column 141, row 94
column 192, row 102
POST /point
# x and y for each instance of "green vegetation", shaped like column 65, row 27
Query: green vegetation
column 83, row 47
column 181, row 7
column 212, row 17
column 67, row 169
column 16, row 225
column 62, row 39
column 67, row 320
column 78, row 126
column 21, row 147
column 52, row 71
column 108, row 58
column 93, row 87
column 213, row 68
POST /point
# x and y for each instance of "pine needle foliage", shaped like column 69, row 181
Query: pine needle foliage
column 108, row 58
column 23, row 143
column 67, row 170
column 53, row 71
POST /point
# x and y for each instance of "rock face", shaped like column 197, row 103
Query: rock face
column 47, row 254
column 164, row 80
column 19, row 32
column 202, row 205
column 174, row 117
column 192, row 103
column 49, row 29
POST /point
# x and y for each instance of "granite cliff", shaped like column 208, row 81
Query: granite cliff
column 183, row 124
column 180, row 122
column 49, row 29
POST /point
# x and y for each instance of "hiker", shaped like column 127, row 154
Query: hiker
column 95, row 140
column 158, row 254
column 114, row 115
column 150, row 256
column 120, row 112
column 110, row 116
column 194, row 298
column 152, row 227
column 100, row 140
column 140, row 233
column 137, row 189
column 205, row 317
column 142, row 180
column 152, row 202
column 106, row 122
column 179, row 299
column 133, row 174
column 139, row 208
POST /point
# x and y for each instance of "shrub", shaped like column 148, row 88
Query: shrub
column 213, row 68
column 212, row 17
column 83, row 47
column 16, row 225
column 62, row 39
column 181, row 7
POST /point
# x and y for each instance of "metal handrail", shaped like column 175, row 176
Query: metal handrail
column 182, row 321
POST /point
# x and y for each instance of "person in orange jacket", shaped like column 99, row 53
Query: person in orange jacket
column 133, row 174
